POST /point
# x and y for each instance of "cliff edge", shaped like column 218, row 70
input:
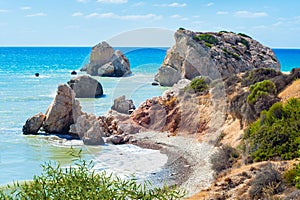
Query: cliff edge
column 216, row 55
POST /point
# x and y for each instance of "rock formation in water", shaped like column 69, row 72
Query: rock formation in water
column 214, row 55
column 105, row 62
column 123, row 105
column 62, row 112
column 33, row 124
column 85, row 86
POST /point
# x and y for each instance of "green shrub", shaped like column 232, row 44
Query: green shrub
column 197, row 85
column 231, row 54
column 181, row 29
column 265, row 183
column 208, row 38
column 245, row 42
column 224, row 158
column 276, row 134
column 292, row 177
column 81, row 183
column 208, row 45
column 244, row 35
column 261, row 89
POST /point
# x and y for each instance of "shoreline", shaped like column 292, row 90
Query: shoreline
column 188, row 164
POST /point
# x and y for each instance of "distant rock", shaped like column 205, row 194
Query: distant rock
column 33, row 124
column 73, row 73
column 86, row 87
column 215, row 55
column 123, row 105
column 105, row 62
column 37, row 74
column 62, row 112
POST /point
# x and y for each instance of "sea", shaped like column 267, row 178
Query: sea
column 23, row 95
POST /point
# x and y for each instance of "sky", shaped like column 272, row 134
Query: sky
column 274, row 23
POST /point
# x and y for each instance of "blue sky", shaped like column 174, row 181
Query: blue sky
column 275, row 23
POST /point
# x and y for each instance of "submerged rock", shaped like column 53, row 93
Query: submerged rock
column 86, row 87
column 215, row 55
column 105, row 62
column 33, row 124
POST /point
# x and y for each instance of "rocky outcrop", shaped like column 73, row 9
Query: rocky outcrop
column 215, row 55
column 182, row 113
column 62, row 112
column 64, row 116
column 90, row 129
column 86, row 87
column 33, row 124
column 123, row 105
column 105, row 62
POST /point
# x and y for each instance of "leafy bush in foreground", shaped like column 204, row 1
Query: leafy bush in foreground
column 277, row 133
column 80, row 183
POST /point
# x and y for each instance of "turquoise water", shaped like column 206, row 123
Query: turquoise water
column 23, row 95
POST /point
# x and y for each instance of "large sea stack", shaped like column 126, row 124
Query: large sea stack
column 212, row 54
column 104, row 61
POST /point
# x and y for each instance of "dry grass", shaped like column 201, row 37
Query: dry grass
column 291, row 91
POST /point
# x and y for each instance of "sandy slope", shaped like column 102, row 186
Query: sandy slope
column 188, row 159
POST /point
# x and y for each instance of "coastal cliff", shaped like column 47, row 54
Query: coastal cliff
column 215, row 55
column 222, row 84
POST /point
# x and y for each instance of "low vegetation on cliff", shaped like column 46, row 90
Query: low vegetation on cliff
column 277, row 133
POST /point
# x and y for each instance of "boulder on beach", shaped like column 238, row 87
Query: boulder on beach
column 123, row 105
column 90, row 129
column 215, row 55
column 105, row 62
column 33, row 124
column 86, row 87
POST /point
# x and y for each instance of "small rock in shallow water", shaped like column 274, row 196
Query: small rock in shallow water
column 33, row 124
column 73, row 73
column 37, row 74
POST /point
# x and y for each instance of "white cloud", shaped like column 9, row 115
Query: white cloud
column 210, row 4
column 141, row 3
column 184, row 19
column 111, row 15
column 222, row 13
column 40, row 14
column 102, row 15
column 175, row 16
column 82, row 1
column 175, row 4
column 25, row 8
column 248, row 14
column 4, row 11
column 113, row 1
column 77, row 14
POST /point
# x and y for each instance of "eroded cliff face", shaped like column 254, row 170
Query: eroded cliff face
column 215, row 55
